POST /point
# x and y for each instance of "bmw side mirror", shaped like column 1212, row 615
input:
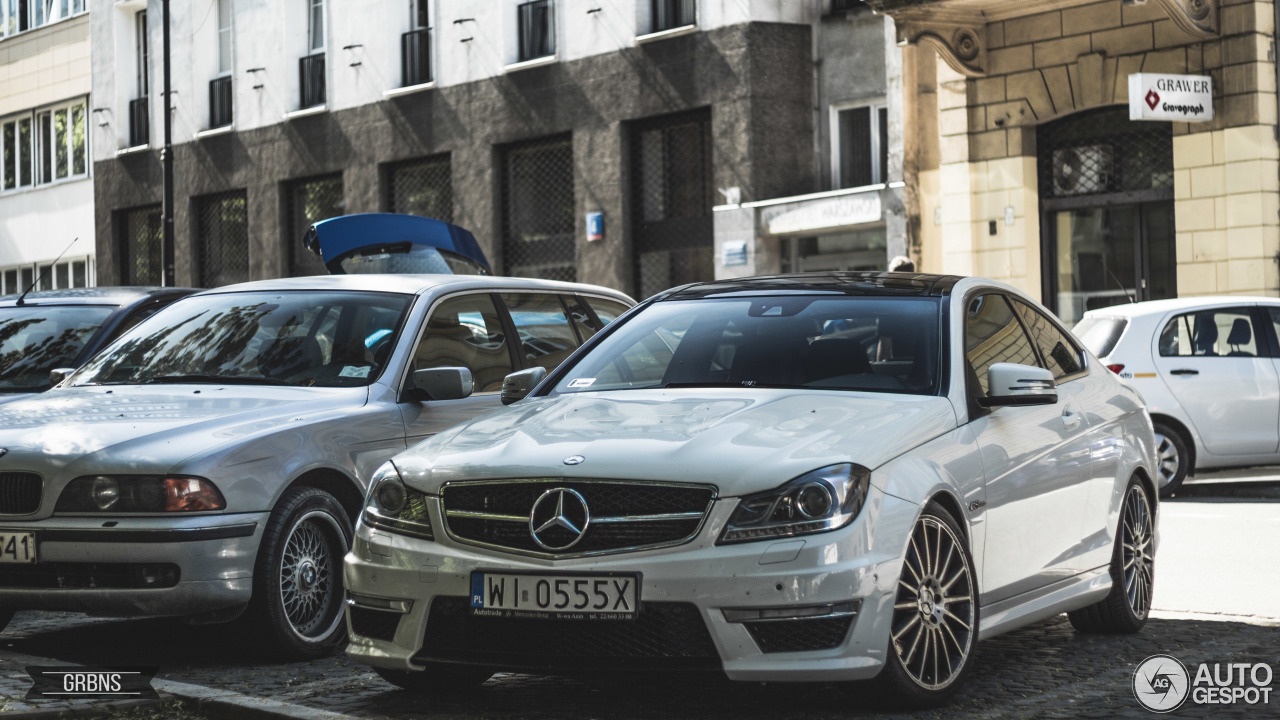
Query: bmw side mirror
column 444, row 383
column 57, row 375
column 518, row 385
column 1014, row 384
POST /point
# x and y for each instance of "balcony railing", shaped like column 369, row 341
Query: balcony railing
column 311, row 76
column 537, row 30
column 139, row 123
column 220, row 102
column 670, row 14
column 415, row 57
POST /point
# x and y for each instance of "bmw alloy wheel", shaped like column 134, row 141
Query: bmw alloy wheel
column 934, row 612
column 308, row 569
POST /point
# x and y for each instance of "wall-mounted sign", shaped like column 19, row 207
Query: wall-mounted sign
column 595, row 226
column 735, row 252
column 1156, row 96
column 822, row 214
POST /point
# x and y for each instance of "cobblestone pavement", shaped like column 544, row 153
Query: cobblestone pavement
column 1042, row 671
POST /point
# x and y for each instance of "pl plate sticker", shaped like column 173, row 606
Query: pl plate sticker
column 355, row 371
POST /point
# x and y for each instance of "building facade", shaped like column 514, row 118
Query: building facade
column 516, row 120
column 46, row 190
column 1024, row 165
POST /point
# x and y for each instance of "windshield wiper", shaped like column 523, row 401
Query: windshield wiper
column 214, row 379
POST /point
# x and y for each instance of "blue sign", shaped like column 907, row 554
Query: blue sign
column 595, row 226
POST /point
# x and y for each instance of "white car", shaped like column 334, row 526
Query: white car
column 1209, row 370
column 797, row 478
column 214, row 458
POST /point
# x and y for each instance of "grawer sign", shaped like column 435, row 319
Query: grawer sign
column 1184, row 98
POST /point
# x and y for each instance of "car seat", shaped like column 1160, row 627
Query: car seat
column 1205, row 336
column 1241, row 334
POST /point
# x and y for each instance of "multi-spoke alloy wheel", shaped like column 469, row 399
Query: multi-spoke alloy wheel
column 1125, row 608
column 935, row 614
column 297, row 583
column 1137, row 550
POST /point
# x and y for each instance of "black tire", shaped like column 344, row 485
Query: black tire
column 1125, row 608
column 935, row 607
column 437, row 678
column 297, row 580
column 1173, row 458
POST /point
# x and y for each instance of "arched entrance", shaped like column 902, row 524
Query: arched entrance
column 1106, row 202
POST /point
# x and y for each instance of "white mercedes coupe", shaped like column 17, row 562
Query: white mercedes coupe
column 797, row 478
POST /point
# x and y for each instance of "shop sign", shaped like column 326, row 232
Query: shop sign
column 832, row 212
column 1157, row 96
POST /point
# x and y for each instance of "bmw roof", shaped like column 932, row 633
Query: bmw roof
column 836, row 283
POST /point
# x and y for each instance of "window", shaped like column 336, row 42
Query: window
column 538, row 218
column 315, row 26
column 546, row 337
column 1224, row 332
column 220, row 89
column 57, row 137
column 415, row 46
column 139, row 113
column 1060, row 354
column 21, row 15
column 310, row 201
column 537, row 29
column 860, row 146
column 223, row 237
column 311, row 67
column 224, row 37
column 466, row 331
column 993, row 335
column 144, row 53
column 16, row 150
column 138, row 233
column 73, row 273
column 671, row 14
column 421, row 187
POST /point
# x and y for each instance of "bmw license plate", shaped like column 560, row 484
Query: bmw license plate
column 17, row 547
column 556, row 596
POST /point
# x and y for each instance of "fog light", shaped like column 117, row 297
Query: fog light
column 105, row 492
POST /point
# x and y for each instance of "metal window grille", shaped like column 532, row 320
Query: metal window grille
column 1101, row 152
column 537, row 30
column 671, row 195
column 421, row 187
column 223, row 237
column 538, row 209
column 310, row 201
column 415, row 57
column 669, row 14
column 139, row 123
column 311, row 80
column 140, row 237
column 220, row 102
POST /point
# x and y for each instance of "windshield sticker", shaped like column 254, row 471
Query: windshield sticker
column 581, row 382
column 355, row 371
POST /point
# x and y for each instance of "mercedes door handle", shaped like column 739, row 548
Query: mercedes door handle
column 1070, row 418
column 1184, row 371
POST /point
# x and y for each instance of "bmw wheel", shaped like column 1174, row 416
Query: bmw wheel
column 297, row 583
column 935, row 614
column 1172, row 459
column 1125, row 608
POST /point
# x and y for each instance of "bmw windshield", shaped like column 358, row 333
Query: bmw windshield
column 305, row 338
column 35, row 339
column 875, row 344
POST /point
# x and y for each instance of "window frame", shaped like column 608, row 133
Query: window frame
column 34, row 11
column 37, row 150
column 314, row 48
column 874, row 106
column 229, row 32
column 49, row 282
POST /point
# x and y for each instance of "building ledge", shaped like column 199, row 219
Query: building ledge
column 664, row 34
column 133, row 150
column 214, row 132
column 536, row 62
column 408, row 89
column 306, row 112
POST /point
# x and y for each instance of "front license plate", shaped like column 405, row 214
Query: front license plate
column 17, row 547
column 613, row 596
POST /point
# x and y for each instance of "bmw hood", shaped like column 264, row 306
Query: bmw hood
column 742, row 441
column 150, row 428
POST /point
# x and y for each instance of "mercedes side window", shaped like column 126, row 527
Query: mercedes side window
column 993, row 335
column 466, row 331
column 1061, row 355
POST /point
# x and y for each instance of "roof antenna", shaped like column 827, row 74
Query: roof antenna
column 47, row 268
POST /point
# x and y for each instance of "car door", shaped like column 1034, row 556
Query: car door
column 1036, row 477
column 1214, row 364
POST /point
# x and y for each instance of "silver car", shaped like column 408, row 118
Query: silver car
column 801, row 478
column 214, row 457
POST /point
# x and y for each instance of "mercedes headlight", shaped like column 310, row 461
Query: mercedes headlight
column 825, row 499
column 391, row 505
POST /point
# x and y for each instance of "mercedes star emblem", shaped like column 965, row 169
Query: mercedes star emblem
column 574, row 460
column 559, row 519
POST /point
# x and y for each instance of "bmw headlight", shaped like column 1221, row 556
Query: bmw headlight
column 825, row 499
column 392, row 506
column 139, row 493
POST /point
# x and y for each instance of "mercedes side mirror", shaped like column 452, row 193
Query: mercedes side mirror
column 444, row 383
column 518, row 385
column 57, row 375
column 1014, row 384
